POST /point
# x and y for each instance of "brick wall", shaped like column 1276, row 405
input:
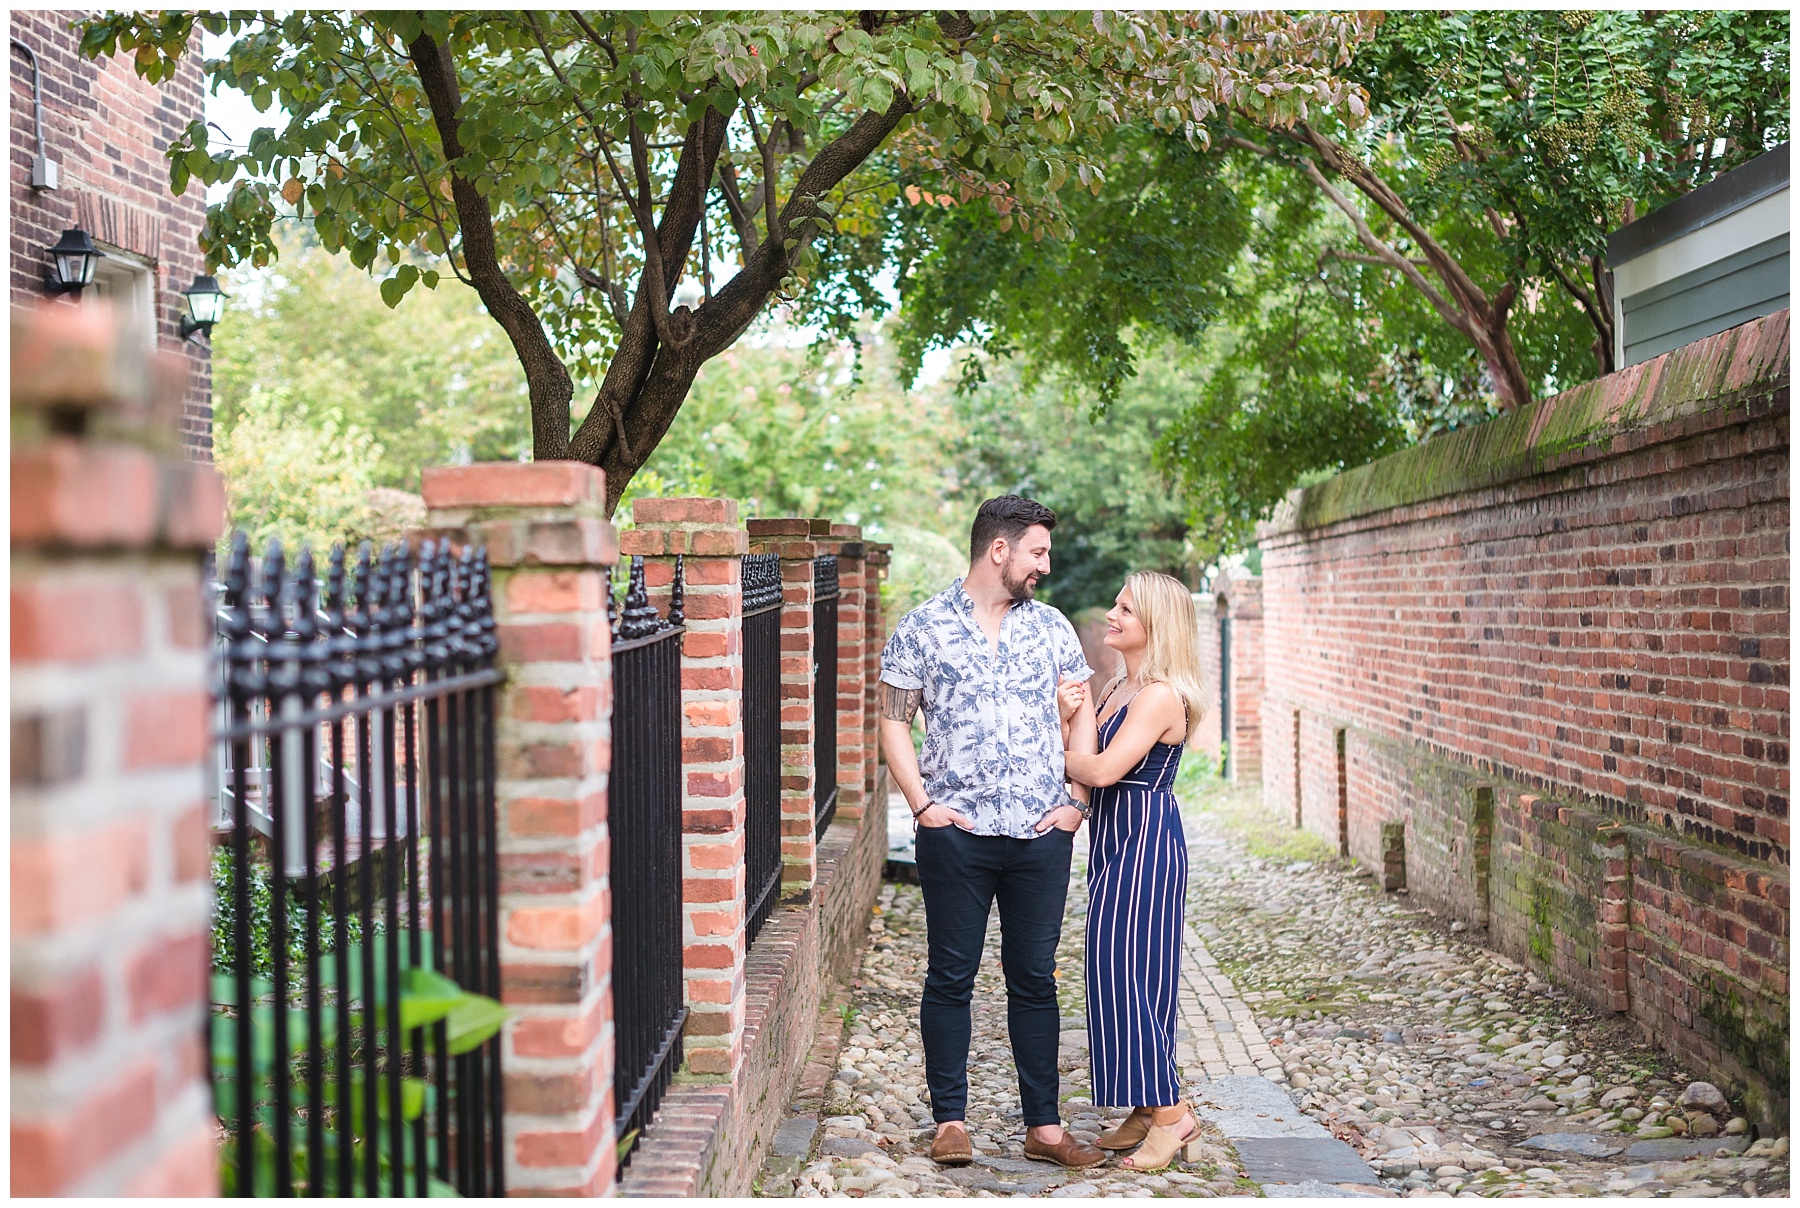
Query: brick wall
column 1237, row 595
column 1206, row 624
column 548, row 542
column 706, row 534
column 855, row 748
column 714, row 1126
column 110, row 893
column 710, row 1140
column 1549, row 655
column 791, row 539
column 109, row 131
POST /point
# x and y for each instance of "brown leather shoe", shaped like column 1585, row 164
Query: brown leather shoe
column 1076, row 1155
column 951, row 1147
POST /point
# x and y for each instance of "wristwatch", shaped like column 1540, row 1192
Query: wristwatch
column 1084, row 808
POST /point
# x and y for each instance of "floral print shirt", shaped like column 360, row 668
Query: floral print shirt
column 993, row 743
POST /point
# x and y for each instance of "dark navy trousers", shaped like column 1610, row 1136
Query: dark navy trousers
column 962, row 875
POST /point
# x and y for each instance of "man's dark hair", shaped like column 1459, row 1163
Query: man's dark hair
column 1007, row 516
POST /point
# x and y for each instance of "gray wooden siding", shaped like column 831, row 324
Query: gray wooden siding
column 1710, row 299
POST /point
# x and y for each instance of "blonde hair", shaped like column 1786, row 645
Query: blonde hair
column 1171, row 627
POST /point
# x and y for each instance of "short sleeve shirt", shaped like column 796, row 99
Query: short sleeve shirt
column 993, row 743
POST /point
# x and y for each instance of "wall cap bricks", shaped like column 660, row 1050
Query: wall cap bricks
column 546, row 484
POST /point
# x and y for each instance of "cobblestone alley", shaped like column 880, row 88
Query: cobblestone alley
column 1336, row 1042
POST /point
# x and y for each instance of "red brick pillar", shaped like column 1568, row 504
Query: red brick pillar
column 791, row 538
column 875, row 564
column 706, row 533
column 110, row 895
column 549, row 543
column 852, row 751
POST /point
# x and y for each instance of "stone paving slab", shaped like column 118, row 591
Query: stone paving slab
column 794, row 1138
column 1586, row 1144
column 1254, row 1107
column 1269, row 1160
column 1675, row 1148
column 1282, row 1149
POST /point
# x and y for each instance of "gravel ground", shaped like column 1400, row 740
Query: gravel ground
column 1453, row 1071
column 1451, row 1068
column 875, row 1128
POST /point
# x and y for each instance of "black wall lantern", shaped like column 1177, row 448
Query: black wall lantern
column 72, row 263
column 205, row 304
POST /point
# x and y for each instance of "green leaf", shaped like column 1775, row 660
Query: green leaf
column 426, row 997
column 472, row 1022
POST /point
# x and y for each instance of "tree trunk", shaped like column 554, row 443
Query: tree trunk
column 546, row 378
column 648, row 378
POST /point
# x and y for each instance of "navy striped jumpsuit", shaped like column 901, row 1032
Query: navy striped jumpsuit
column 1137, row 881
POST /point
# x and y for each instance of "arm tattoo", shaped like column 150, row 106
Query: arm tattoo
column 899, row 704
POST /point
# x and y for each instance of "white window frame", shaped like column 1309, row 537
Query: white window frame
column 129, row 281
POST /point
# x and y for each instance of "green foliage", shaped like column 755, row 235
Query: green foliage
column 1508, row 143
column 1115, row 512
column 295, row 471
column 1316, row 365
column 422, row 999
column 1502, row 146
column 1566, row 123
column 311, row 367
column 529, row 153
column 797, row 432
column 791, row 432
column 1150, row 252
column 261, row 895
column 438, row 382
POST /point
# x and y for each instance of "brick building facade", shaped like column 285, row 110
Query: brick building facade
column 1537, row 672
column 108, row 131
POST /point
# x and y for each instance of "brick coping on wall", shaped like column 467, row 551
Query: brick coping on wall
column 709, row 1138
column 1693, row 389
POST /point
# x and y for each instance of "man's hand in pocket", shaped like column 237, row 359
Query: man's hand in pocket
column 934, row 816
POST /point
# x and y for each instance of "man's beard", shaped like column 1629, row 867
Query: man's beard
column 1020, row 589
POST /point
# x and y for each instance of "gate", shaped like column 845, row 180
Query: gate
column 825, row 672
column 644, row 823
column 354, row 1017
column 761, row 579
column 1225, row 730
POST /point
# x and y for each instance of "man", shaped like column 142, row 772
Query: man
column 994, row 818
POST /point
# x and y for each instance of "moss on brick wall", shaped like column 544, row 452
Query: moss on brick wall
column 1588, row 421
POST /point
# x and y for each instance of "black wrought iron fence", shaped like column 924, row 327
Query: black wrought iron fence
column 762, row 739
column 825, row 676
column 353, row 1035
column 644, row 820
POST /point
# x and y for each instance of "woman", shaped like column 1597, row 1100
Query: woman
column 1137, row 871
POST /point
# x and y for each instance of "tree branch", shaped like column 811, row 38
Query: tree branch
column 1474, row 299
column 765, row 147
column 547, row 379
column 1389, row 255
column 1332, row 253
column 654, row 277
column 596, row 39
column 743, row 218
column 1590, row 306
